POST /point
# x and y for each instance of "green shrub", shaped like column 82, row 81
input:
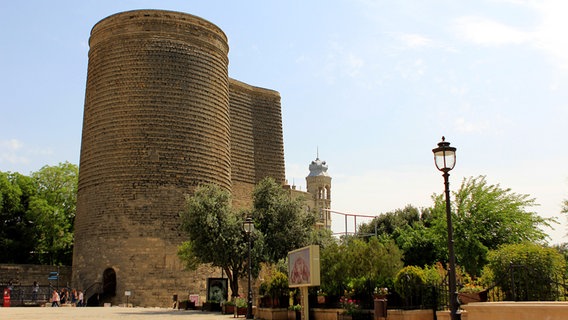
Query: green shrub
column 532, row 270
column 409, row 280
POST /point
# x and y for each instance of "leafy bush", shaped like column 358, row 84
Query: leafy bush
column 278, row 285
column 409, row 280
column 525, row 271
column 417, row 285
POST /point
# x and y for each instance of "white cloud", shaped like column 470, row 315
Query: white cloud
column 551, row 33
column 412, row 70
column 14, row 154
column 11, row 144
column 415, row 40
column 468, row 126
column 484, row 31
column 10, row 152
column 547, row 35
column 341, row 62
column 354, row 64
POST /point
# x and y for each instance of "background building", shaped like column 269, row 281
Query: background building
column 318, row 194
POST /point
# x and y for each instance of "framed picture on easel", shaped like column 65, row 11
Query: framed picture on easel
column 217, row 289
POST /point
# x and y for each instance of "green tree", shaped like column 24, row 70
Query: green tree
column 52, row 210
column 387, row 223
column 409, row 228
column 17, row 236
column 37, row 214
column 359, row 266
column 419, row 244
column 215, row 234
column 284, row 223
column 485, row 217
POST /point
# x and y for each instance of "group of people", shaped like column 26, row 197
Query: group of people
column 65, row 297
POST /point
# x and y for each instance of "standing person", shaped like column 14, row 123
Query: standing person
column 80, row 299
column 55, row 298
column 74, row 296
column 64, row 296
column 35, row 290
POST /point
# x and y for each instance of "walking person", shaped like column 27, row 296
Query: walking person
column 35, row 290
column 80, row 302
column 55, row 298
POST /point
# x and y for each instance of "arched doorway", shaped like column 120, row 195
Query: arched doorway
column 109, row 283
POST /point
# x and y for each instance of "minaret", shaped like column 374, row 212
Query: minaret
column 318, row 183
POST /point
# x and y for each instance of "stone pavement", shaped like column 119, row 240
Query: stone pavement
column 109, row 313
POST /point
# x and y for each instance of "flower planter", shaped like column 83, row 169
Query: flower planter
column 241, row 311
column 228, row 309
column 211, row 306
column 466, row 298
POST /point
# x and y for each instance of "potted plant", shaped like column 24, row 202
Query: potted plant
column 240, row 306
column 321, row 297
column 228, row 307
column 278, row 289
column 351, row 308
column 296, row 310
column 381, row 293
column 211, row 306
column 472, row 293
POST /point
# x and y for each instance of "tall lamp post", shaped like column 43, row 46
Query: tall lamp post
column 445, row 159
column 248, row 225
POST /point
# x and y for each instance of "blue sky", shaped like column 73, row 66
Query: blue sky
column 372, row 84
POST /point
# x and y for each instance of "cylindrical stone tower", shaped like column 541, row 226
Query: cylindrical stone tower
column 156, row 124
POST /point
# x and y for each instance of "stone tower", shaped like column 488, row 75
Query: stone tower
column 161, row 116
column 318, row 184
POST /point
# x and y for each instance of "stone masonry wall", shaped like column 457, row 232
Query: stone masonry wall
column 26, row 274
column 256, row 139
column 161, row 118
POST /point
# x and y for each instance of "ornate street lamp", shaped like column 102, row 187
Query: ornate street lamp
column 445, row 159
column 248, row 225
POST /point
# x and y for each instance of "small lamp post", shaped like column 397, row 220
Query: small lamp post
column 248, row 225
column 445, row 160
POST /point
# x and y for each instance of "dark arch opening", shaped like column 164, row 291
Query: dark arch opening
column 109, row 283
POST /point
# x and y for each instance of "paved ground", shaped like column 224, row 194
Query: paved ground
column 112, row 313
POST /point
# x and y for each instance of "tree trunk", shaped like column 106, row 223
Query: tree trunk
column 233, row 283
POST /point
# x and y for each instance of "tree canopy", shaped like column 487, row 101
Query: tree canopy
column 484, row 216
column 359, row 266
column 216, row 236
column 37, row 214
column 17, row 236
column 286, row 226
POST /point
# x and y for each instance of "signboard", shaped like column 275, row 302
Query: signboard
column 304, row 267
column 217, row 289
column 194, row 298
column 53, row 276
column 127, row 293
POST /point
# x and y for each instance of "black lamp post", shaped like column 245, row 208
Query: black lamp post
column 445, row 159
column 248, row 225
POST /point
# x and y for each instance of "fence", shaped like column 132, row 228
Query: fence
column 520, row 283
column 24, row 295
